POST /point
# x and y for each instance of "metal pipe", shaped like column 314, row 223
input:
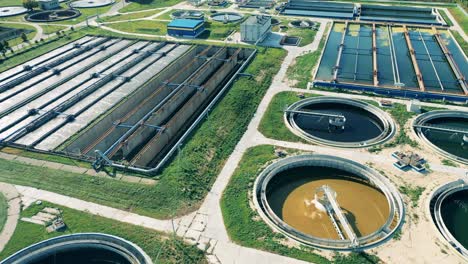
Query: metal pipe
column 62, row 81
column 314, row 113
column 374, row 55
column 159, row 105
column 191, row 128
column 430, row 59
column 414, row 60
column 49, row 65
column 448, row 55
column 340, row 52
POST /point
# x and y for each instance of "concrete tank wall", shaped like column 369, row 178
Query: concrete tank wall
column 93, row 132
column 142, row 134
column 157, row 97
column 162, row 139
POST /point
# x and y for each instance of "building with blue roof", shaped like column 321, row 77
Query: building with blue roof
column 187, row 28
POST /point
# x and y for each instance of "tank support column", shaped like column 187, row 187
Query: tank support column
column 413, row 59
column 374, row 55
column 340, row 52
column 448, row 55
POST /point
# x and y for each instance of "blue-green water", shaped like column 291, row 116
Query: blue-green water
column 455, row 215
column 81, row 256
column 356, row 64
column 360, row 125
column 447, row 141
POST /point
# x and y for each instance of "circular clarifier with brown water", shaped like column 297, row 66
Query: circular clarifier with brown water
column 286, row 196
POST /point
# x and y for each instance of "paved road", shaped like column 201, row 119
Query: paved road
column 14, row 208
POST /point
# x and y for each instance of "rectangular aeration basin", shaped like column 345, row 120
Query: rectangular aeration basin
column 128, row 100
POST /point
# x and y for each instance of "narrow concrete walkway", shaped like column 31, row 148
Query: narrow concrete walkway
column 14, row 207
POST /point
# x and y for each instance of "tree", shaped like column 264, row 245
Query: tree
column 2, row 49
column 24, row 38
column 30, row 4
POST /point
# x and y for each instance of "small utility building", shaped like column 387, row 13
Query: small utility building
column 187, row 28
column 255, row 28
column 49, row 4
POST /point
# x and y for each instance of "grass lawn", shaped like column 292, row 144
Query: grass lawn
column 122, row 17
column 307, row 35
column 3, row 211
column 460, row 18
column 218, row 30
column 169, row 249
column 247, row 229
column 185, row 181
column 51, row 28
column 463, row 44
column 86, row 12
column 139, row 5
column 272, row 124
column 445, row 17
column 300, row 71
column 11, row 3
column 19, row 40
column 150, row 27
column 46, row 157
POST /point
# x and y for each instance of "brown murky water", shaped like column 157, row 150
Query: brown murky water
column 290, row 197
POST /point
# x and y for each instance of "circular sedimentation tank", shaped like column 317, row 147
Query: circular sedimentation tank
column 275, row 22
column 187, row 14
column 289, row 195
column 339, row 122
column 445, row 131
column 227, row 17
column 6, row 11
column 81, row 248
column 53, row 15
column 301, row 24
column 449, row 211
column 91, row 3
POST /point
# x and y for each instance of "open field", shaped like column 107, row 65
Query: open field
column 151, row 27
column 123, row 17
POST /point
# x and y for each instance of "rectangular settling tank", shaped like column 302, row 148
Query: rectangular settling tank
column 129, row 100
column 319, row 9
column 376, row 56
column 400, row 14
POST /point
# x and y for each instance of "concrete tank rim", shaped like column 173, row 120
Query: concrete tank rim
column 422, row 118
column 431, row 213
column 77, row 14
column 20, row 10
column 88, row 238
column 394, row 199
column 98, row 3
column 190, row 13
column 383, row 116
column 241, row 16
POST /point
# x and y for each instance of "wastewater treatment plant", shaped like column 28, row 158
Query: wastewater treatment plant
column 248, row 131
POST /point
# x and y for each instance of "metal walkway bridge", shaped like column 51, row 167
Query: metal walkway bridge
column 334, row 208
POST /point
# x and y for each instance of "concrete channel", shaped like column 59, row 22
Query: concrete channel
column 126, row 101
